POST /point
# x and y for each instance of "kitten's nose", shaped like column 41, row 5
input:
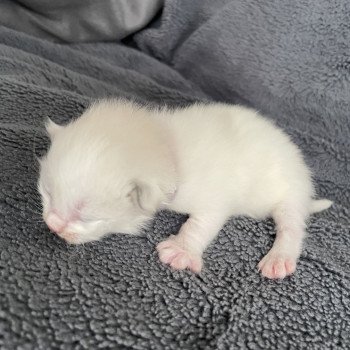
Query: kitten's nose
column 54, row 222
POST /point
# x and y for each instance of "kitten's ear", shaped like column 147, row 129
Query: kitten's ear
column 52, row 128
column 145, row 196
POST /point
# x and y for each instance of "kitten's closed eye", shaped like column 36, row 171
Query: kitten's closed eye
column 88, row 220
column 47, row 192
column 43, row 188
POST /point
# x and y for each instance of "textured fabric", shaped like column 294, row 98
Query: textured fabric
column 286, row 58
column 76, row 21
column 114, row 293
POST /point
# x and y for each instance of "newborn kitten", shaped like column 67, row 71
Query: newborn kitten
column 115, row 166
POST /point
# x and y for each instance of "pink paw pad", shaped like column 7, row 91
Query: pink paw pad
column 171, row 253
column 277, row 265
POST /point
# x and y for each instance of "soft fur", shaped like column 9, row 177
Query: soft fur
column 115, row 166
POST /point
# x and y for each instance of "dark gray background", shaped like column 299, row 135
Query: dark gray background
column 289, row 60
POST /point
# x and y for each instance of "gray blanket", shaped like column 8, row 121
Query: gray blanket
column 291, row 62
column 78, row 20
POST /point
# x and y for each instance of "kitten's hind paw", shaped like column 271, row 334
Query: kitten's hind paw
column 171, row 253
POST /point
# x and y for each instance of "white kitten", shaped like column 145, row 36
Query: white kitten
column 115, row 166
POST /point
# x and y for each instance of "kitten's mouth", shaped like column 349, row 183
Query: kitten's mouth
column 61, row 228
column 69, row 237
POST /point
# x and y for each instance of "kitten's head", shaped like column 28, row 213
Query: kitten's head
column 101, row 176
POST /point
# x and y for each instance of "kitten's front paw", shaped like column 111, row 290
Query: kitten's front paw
column 172, row 253
column 277, row 265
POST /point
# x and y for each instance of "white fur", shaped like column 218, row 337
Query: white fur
column 115, row 166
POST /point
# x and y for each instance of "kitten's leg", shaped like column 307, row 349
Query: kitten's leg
column 282, row 258
column 186, row 248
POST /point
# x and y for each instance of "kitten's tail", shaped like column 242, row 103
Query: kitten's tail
column 319, row 205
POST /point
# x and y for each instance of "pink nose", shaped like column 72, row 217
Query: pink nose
column 54, row 222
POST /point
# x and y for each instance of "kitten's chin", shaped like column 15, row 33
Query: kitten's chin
column 76, row 239
column 72, row 241
column 75, row 235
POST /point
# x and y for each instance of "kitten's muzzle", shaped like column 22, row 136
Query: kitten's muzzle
column 55, row 222
column 60, row 226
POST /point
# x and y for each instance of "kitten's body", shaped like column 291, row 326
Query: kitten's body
column 113, row 168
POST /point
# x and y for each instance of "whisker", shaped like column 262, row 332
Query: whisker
column 35, row 158
column 35, row 212
column 78, row 249
column 38, row 209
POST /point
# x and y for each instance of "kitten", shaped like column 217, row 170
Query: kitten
column 115, row 166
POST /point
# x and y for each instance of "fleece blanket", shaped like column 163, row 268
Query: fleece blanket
column 78, row 20
column 287, row 60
